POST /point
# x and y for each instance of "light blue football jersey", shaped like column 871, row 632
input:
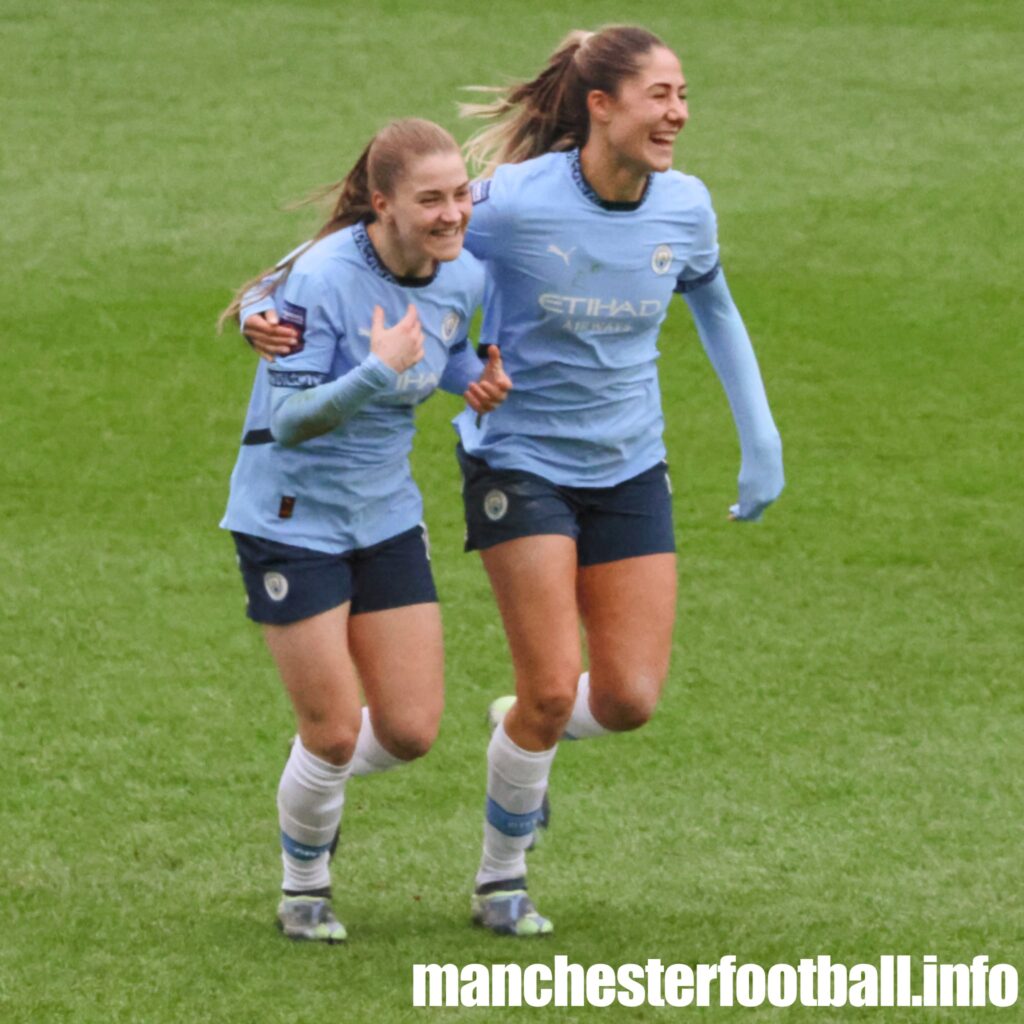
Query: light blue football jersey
column 577, row 290
column 352, row 487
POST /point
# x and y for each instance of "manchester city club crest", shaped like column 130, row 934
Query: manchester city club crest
column 277, row 586
column 661, row 259
column 450, row 325
column 495, row 505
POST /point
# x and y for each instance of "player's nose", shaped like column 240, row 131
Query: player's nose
column 451, row 214
column 678, row 113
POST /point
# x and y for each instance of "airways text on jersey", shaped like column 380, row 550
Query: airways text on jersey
column 601, row 314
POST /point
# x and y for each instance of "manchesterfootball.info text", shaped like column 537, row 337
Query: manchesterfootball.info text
column 910, row 981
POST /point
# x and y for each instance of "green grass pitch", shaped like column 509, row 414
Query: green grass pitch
column 838, row 762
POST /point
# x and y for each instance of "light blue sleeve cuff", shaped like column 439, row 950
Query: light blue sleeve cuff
column 463, row 368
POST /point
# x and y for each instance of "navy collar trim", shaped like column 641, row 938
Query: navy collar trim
column 372, row 258
column 576, row 169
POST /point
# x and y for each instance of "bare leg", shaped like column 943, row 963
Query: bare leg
column 629, row 609
column 400, row 658
column 534, row 581
column 313, row 658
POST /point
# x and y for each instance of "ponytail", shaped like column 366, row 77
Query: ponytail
column 379, row 168
column 549, row 113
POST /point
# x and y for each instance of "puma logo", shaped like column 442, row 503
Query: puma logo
column 558, row 252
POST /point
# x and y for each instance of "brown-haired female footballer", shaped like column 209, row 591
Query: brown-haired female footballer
column 586, row 232
column 323, row 509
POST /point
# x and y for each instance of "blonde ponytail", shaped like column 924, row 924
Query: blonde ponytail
column 379, row 169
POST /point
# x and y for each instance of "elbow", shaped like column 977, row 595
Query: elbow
column 284, row 434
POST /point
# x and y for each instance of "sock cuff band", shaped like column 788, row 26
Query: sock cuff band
column 510, row 824
column 303, row 851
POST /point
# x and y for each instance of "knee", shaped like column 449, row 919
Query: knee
column 409, row 740
column 627, row 706
column 334, row 742
column 546, row 712
column 624, row 715
column 554, row 706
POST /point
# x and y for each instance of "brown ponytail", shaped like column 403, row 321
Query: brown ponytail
column 549, row 113
column 379, row 168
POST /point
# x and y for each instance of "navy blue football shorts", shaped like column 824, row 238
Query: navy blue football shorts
column 608, row 523
column 285, row 583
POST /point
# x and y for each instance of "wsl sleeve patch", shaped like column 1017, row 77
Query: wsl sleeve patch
column 296, row 378
column 683, row 285
column 295, row 317
column 481, row 189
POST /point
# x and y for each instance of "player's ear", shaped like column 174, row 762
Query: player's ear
column 380, row 205
column 599, row 105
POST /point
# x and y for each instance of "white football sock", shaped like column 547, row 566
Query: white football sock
column 516, row 782
column 309, row 802
column 582, row 724
column 370, row 756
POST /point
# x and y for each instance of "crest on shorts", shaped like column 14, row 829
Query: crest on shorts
column 450, row 324
column 276, row 586
column 661, row 259
column 495, row 505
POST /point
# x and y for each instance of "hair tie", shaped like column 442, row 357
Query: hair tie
column 585, row 38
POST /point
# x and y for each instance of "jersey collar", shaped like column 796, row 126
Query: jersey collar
column 576, row 169
column 376, row 264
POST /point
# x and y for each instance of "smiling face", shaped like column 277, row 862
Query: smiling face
column 641, row 120
column 424, row 221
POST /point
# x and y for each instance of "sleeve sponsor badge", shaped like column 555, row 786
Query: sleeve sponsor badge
column 295, row 317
